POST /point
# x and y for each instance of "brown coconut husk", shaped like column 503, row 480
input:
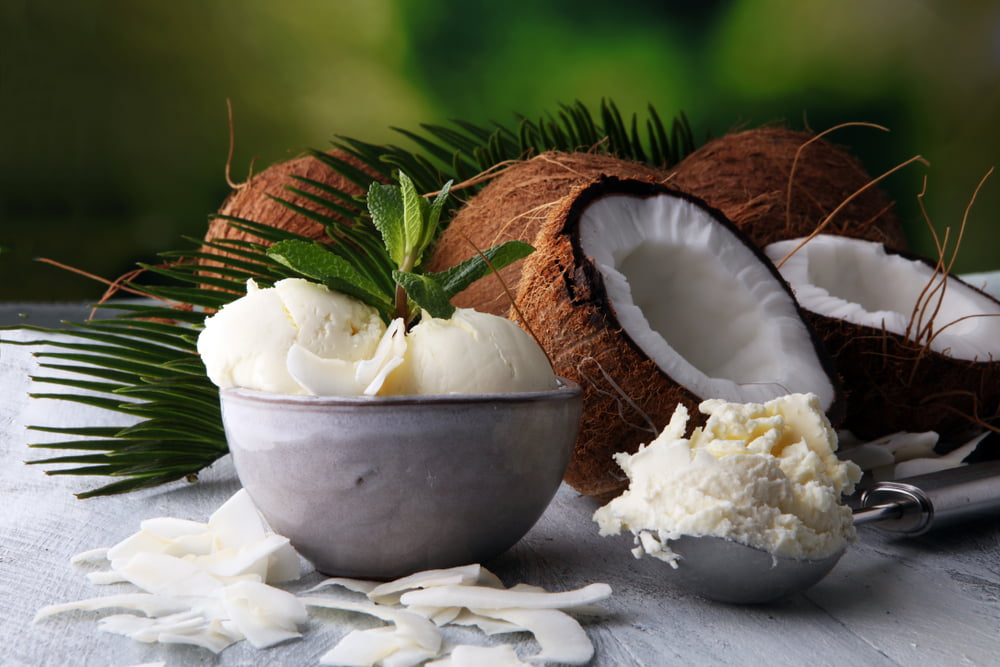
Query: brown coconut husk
column 894, row 384
column 561, row 299
column 513, row 206
column 746, row 175
column 255, row 201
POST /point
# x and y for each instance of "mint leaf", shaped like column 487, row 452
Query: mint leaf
column 407, row 223
column 434, row 217
column 415, row 209
column 460, row 276
column 426, row 292
column 385, row 205
column 318, row 263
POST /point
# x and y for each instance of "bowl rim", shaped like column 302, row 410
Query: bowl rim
column 567, row 390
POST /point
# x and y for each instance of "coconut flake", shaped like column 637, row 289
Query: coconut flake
column 263, row 614
column 560, row 636
column 928, row 464
column 422, row 631
column 437, row 615
column 901, row 455
column 209, row 638
column 487, row 624
column 237, row 523
column 251, row 559
column 889, row 449
column 343, row 377
column 149, row 629
column 465, row 655
column 141, row 542
column 169, row 575
column 364, row 647
column 185, row 627
column 463, row 574
column 191, row 625
column 106, row 577
column 202, row 582
column 323, row 377
column 147, row 603
column 283, row 565
column 89, row 556
column 371, row 373
column 479, row 597
column 353, row 585
column 378, row 646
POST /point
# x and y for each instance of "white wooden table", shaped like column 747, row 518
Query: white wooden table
column 933, row 600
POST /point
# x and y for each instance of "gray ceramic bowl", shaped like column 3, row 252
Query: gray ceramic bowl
column 379, row 487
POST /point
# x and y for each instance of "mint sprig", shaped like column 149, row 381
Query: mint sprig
column 317, row 263
column 386, row 274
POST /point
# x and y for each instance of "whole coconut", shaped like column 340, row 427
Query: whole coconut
column 512, row 207
column 746, row 175
column 255, row 201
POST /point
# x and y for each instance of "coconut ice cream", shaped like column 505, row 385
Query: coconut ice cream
column 247, row 342
column 765, row 475
column 470, row 353
column 299, row 337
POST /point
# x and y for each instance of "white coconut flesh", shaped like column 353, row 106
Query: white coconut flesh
column 858, row 281
column 699, row 302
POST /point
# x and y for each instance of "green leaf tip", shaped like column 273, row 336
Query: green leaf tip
column 385, row 206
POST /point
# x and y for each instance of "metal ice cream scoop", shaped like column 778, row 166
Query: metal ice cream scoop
column 720, row 569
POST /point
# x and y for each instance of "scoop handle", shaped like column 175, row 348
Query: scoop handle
column 915, row 505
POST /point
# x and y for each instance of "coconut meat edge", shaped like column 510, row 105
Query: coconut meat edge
column 858, row 281
column 699, row 302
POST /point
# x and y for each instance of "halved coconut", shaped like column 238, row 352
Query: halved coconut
column 917, row 350
column 512, row 207
column 746, row 175
column 649, row 298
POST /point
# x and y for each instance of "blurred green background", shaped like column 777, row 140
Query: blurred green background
column 114, row 125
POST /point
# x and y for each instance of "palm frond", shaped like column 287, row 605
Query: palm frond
column 141, row 362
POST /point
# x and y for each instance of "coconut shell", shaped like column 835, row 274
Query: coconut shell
column 746, row 175
column 561, row 298
column 255, row 200
column 893, row 384
column 512, row 207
